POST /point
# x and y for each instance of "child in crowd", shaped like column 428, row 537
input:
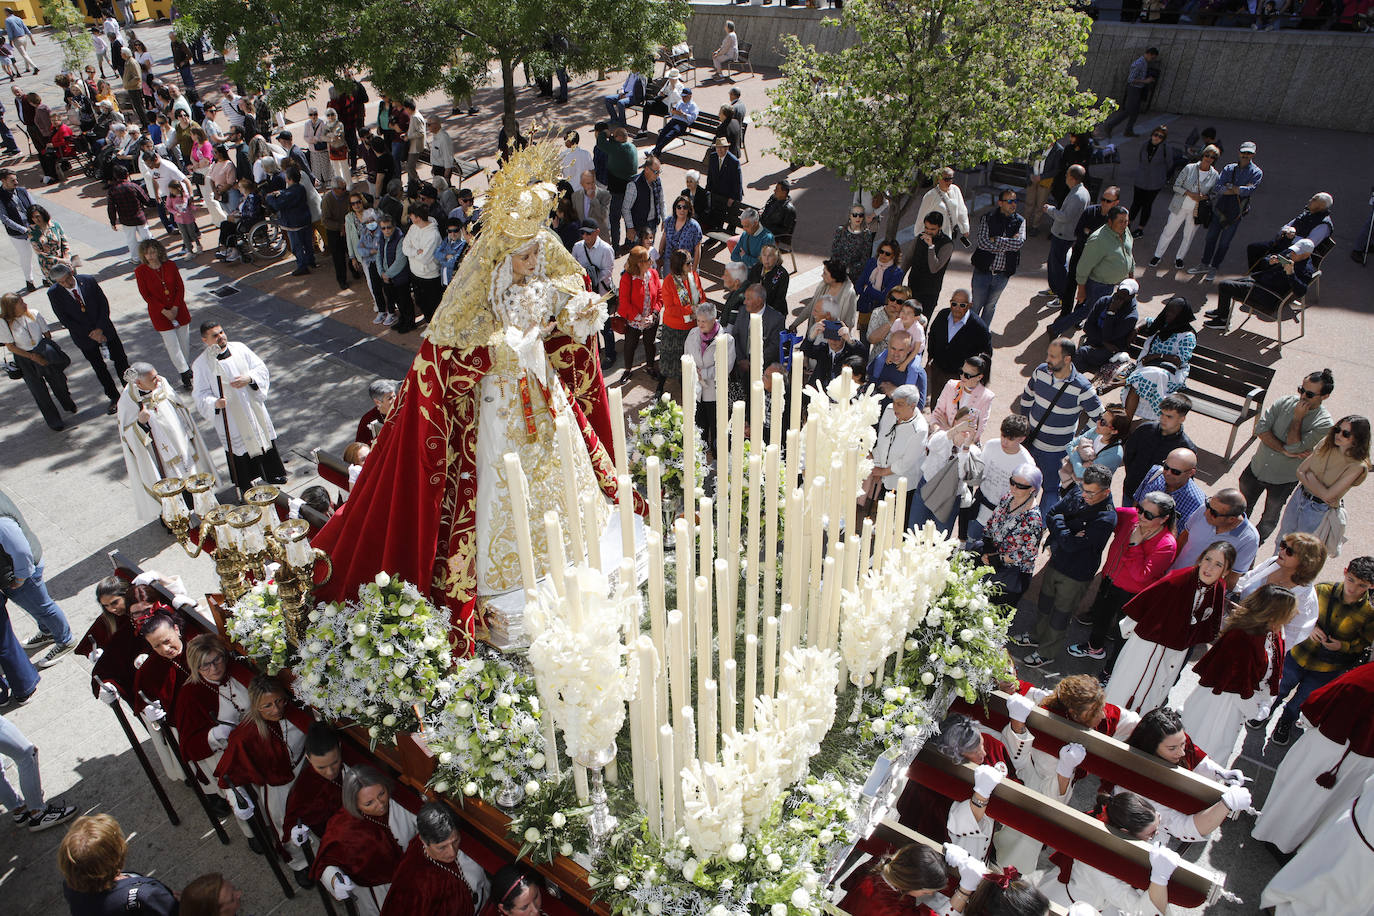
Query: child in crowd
column 183, row 212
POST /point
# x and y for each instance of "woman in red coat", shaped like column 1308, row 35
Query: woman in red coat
column 1169, row 618
column 363, row 842
column 159, row 282
column 640, row 301
column 1242, row 671
column 262, row 754
column 911, row 881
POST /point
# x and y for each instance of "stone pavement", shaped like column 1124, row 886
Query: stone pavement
column 322, row 349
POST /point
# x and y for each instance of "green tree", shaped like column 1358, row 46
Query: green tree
column 930, row 83
column 408, row 49
column 69, row 31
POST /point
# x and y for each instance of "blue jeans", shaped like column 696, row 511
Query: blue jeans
column 8, row 138
column 987, row 289
column 302, row 246
column 918, row 514
column 1217, row 243
column 21, row 750
column 615, row 108
column 1048, row 463
column 1296, row 676
column 1057, row 263
column 14, row 661
column 33, row 597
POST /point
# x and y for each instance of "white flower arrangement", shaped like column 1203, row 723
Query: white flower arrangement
column 579, row 657
column 382, row 660
column 488, row 736
column 256, row 623
column 659, row 434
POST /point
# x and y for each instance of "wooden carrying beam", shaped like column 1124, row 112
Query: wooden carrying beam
column 897, row 835
column 1110, row 759
column 331, row 469
column 311, row 517
column 1062, row 828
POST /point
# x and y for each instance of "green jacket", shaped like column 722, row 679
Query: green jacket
column 622, row 159
column 1106, row 258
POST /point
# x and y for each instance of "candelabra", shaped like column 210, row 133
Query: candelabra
column 175, row 514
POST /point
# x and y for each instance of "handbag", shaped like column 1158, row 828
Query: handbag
column 57, row 357
column 12, row 369
column 1202, row 213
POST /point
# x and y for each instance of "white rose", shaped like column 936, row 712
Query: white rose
column 359, row 629
column 445, row 758
column 558, row 819
column 654, row 907
column 400, row 669
column 498, row 755
column 965, row 634
column 727, row 885
column 462, row 709
column 621, row 882
column 406, row 610
column 374, row 731
column 911, row 645
column 801, row 898
column 684, row 843
column 927, row 678
column 537, row 761
column 774, row 861
column 879, row 726
column 533, row 835
column 954, row 654
column 825, row 837
column 503, row 700
column 565, row 849
column 470, row 789
column 532, row 787
column 809, row 882
column 889, row 694
column 441, row 786
column 779, row 909
column 911, row 731
column 736, row 852
column 657, row 440
column 988, row 623
column 382, row 580
column 956, row 672
column 388, row 720
column 689, row 869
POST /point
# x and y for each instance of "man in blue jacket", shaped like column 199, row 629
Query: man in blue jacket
column 1080, row 525
column 293, row 209
column 80, row 304
column 14, row 213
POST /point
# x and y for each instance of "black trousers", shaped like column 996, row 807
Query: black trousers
column 377, row 287
column 653, row 107
column 1142, row 205
column 427, row 292
column 338, row 253
column 91, row 350
column 399, row 303
column 40, row 380
column 1106, row 615
column 247, row 468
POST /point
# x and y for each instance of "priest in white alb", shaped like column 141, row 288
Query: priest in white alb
column 230, row 390
column 159, row 436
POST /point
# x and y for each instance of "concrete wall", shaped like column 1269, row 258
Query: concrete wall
column 1301, row 78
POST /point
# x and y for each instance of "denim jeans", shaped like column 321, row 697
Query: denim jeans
column 1057, row 263
column 615, row 109
column 22, row 751
column 303, row 247
column 1296, row 676
column 1048, row 463
column 987, row 289
column 1218, row 241
column 14, row 661
column 33, row 597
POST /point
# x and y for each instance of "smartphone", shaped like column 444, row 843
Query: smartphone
column 963, row 240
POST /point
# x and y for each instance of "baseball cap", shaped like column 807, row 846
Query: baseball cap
column 1301, row 246
column 1129, row 286
column 588, row 225
column 1248, row 146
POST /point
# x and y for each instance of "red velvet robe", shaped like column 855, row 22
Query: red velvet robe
column 119, row 649
column 1236, row 664
column 252, row 759
column 159, row 679
column 196, row 712
column 362, row 848
column 1163, row 611
column 422, row 887
column 411, row 511
column 1341, row 709
column 873, row 896
column 313, row 801
column 927, row 811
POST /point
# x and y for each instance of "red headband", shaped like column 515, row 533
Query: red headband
column 1004, row 878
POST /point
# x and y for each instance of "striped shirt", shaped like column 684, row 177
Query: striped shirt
column 1062, row 423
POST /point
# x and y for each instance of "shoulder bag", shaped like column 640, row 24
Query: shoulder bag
column 1046, row 415
column 57, row 357
column 1202, row 213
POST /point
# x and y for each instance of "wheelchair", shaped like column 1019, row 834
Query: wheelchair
column 264, row 241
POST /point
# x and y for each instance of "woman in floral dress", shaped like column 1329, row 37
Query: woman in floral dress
column 1011, row 538
column 49, row 241
column 680, row 231
column 1164, row 357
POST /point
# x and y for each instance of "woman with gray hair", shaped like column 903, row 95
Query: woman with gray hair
column 701, row 347
column 363, row 843
column 965, row 823
column 1011, row 537
column 899, row 449
column 1141, row 552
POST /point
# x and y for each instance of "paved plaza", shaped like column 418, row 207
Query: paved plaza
column 322, row 349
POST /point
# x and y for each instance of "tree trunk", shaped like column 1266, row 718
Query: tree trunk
column 897, row 205
column 508, row 99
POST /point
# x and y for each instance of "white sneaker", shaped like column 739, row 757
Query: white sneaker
column 379, row 318
column 233, row 257
column 389, row 320
column 51, row 816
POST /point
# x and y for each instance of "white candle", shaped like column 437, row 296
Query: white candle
column 830, row 639
column 835, row 514
column 679, row 665
column 736, row 489
column 756, row 415
column 706, row 724
column 793, row 549
column 722, row 396
column 817, row 623
column 756, row 362
column 636, row 715
column 865, row 546
column 624, row 497
column 576, row 592
column 689, row 434
column 617, row 409
column 668, row 776
column 520, row 509
column 571, row 505
column 580, row 784
column 682, row 552
column 751, row 578
column 593, row 535
column 811, row 462
column 557, row 564
column 786, row 624
column 729, row 714
column 751, row 675
column 550, row 740
column 689, row 722
column 798, row 393
column 770, row 658
column 768, row 567
column 899, row 519
column 653, row 471
column 811, row 598
column 849, row 494
column 775, row 417
column 704, row 634
column 792, row 456
column 725, row 611
column 704, row 535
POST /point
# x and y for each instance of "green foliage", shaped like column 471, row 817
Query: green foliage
column 930, row 83
column 287, row 47
column 69, row 31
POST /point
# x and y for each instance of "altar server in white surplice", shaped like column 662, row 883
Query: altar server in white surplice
column 231, row 392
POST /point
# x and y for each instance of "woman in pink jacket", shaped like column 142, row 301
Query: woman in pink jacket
column 1142, row 550
column 969, row 390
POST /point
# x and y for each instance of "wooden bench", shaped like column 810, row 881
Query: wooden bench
column 1225, row 387
column 462, row 168
column 703, row 130
column 741, row 60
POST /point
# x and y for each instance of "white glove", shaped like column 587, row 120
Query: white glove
column 139, row 660
column 154, row 712
column 1237, row 798
column 1037, row 695
column 108, row 694
column 1070, row 756
column 1019, row 708
column 1082, row 909
column 300, row 835
column 971, row 873
column 95, row 655
column 1232, row 777
column 985, row 780
column 341, row 887
column 219, row 736
column 294, row 506
column 956, row 856
column 184, row 603
column 242, row 805
column 147, row 577
column 1163, row 861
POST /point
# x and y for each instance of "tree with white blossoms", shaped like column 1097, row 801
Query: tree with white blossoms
column 933, row 83
column 579, row 657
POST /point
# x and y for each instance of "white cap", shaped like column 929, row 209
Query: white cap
column 1248, row 146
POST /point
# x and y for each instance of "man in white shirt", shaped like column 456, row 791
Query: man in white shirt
column 440, row 148
column 901, row 444
column 160, row 175
column 946, row 198
column 597, row 257
column 576, row 160
column 232, row 114
column 419, row 245
column 230, row 392
column 684, row 115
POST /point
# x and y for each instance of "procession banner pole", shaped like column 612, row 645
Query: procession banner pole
column 142, row 756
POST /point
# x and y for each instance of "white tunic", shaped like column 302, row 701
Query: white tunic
column 1144, row 674
column 250, row 427
column 1334, row 872
column 1216, row 720
column 173, row 437
column 1296, row 805
column 1111, row 895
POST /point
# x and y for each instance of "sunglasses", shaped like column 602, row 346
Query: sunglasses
column 1147, row 514
column 679, row 206
column 1308, row 393
column 1175, row 471
column 856, row 215
column 1110, row 200
column 1208, row 507
column 954, row 304
column 1018, row 485
column 963, row 374
column 1287, row 549
column 1347, row 433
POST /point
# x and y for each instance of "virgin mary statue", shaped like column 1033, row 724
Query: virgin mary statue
column 510, row 351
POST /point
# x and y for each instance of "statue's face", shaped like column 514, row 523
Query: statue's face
column 522, row 263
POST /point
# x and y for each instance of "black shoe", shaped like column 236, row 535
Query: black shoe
column 188, row 379
column 1283, row 733
column 1358, row 257
column 29, row 287
column 300, row 272
column 69, row 407
column 255, row 845
column 303, row 878
column 1211, row 313
column 343, row 284
column 1257, row 723
column 1035, row 660
column 403, row 329
column 219, row 807
column 1217, row 324
column 1137, row 233
column 1178, row 263
column 279, row 480
column 113, row 408
column 473, row 110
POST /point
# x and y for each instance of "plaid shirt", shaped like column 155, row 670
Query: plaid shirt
column 1352, row 624
column 125, row 202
